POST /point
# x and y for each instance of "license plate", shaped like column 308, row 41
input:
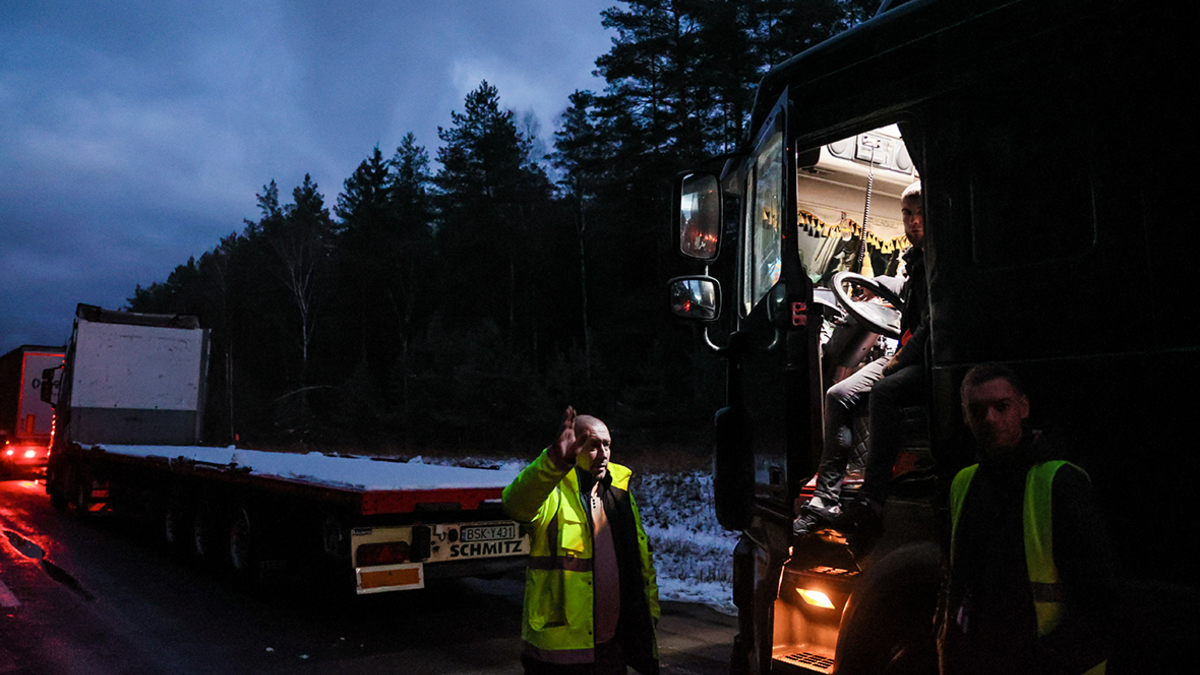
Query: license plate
column 472, row 533
column 487, row 540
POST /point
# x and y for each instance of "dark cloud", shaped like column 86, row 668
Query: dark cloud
column 136, row 134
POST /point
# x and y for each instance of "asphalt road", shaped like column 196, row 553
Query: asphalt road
column 106, row 598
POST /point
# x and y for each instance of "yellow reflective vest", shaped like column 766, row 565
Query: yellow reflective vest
column 1039, row 541
column 558, row 619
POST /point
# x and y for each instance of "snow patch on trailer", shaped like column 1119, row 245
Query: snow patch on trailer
column 357, row 473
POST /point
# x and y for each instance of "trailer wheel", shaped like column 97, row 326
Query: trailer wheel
column 241, row 544
column 83, row 497
column 57, row 499
column 173, row 520
column 335, row 540
column 203, row 525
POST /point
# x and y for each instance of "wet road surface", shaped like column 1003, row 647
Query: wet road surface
column 106, row 597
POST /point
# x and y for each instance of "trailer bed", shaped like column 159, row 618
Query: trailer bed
column 375, row 486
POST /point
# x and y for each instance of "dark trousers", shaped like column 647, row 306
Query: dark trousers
column 904, row 388
column 840, row 402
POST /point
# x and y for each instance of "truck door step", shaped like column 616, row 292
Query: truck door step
column 803, row 662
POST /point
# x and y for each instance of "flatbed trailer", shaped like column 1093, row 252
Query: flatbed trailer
column 393, row 523
column 129, row 414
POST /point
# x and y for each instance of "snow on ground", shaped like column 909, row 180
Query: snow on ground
column 693, row 555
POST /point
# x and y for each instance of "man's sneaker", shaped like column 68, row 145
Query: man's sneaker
column 805, row 523
column 812, row 518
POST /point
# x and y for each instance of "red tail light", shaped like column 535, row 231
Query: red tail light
column 388, row 553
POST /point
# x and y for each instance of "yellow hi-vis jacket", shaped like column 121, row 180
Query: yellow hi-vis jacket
column 1039, row 541
column 558, row 620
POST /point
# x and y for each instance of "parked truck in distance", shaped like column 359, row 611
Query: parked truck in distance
column 128, row 440
column 26, row 420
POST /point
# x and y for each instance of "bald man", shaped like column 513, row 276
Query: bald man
column 591, row 598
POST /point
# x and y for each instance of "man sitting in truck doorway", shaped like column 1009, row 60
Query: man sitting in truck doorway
column 591, row 594
column 1030, row 576
column 892, row 383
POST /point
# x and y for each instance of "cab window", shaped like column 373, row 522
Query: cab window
column 763, row 259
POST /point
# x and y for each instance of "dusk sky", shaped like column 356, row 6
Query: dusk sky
column 135, row 134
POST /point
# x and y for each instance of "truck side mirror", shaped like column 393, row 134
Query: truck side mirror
column 697, row 298
column 698, row 216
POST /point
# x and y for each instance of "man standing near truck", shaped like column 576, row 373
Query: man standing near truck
column 1030, row 578
column 591, row 596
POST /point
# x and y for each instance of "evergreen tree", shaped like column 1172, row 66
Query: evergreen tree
column 384, row 251
column 488, row 196
column 580, row 154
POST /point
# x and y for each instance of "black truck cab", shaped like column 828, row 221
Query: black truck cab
column 1051, row 144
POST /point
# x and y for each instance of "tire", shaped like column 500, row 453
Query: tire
column 335, row 540
column 175, row 531
column 83, row 496
column 57, row 499
column 889, row 630
column 241, row 545
column 203, row 540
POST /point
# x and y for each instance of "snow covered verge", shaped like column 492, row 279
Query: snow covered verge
column 693, row 554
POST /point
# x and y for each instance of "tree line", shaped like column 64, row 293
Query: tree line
column 463, row 307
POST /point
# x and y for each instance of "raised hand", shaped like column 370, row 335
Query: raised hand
column 565, row 448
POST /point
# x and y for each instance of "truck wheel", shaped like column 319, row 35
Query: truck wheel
column 889, row 631
column 174, row 531
column 241, row 544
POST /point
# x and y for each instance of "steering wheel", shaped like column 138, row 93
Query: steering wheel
column 877, row 317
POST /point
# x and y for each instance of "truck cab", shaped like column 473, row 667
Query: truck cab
column 1044, row 135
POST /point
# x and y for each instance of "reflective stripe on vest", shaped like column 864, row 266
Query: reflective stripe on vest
column 1037, row 516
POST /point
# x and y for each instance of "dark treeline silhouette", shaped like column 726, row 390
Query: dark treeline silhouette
column 462, row 309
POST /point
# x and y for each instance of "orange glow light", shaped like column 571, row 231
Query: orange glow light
column 815, row 598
